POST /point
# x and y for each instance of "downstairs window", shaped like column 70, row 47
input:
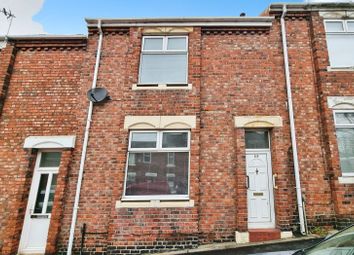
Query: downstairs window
column 161, row 165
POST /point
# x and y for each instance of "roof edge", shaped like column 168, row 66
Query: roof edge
column 43, row 37
column 308, row 7
column 182, row 21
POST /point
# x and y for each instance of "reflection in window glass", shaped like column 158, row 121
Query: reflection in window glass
column 257, row 140
column 155, row 178
column 131, row 160
column 345, row 118
column 171, row 159
column 51, row 194
column 38, row 207
column 147, row 157
column 50, row 159
column 144, row 140
column 175, row 140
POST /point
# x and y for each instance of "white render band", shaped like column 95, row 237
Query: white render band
column 160, row 122
column 340, row 102
column 258, row 121
column 49, row 142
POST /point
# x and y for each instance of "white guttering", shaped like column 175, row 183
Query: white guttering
column 190, row 24
column 182, row 22
column 84, row 147
column 292, row 124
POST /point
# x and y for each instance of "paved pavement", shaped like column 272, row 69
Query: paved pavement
column 282, row 248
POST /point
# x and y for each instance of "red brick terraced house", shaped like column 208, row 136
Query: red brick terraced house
column 234, row 129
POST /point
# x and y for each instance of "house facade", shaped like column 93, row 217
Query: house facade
column 216, row 130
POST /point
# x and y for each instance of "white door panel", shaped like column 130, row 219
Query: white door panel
column 259, row 192
column 36, row 224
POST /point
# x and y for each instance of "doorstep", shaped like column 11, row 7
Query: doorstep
column 233, row 245
column 263, row 234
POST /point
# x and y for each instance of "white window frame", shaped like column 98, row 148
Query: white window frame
column 345, row 31
column 45, row 170
column 158, row 148
column 164, row 51
column 344, row 126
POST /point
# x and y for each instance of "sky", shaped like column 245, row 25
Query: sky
column 67, row 16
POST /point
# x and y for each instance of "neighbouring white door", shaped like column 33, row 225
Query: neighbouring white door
column 40, row 203
column 259, row 180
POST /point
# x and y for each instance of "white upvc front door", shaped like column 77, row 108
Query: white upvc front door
column 40, row 203
column 260, row 184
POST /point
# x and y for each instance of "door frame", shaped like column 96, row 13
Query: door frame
column 37, row 171
column 271, row 224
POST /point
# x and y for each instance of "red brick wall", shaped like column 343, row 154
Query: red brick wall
column 58, row 203
column 7, row 58
column 233, row 72
column 41, row 100
column 150, row 227
column 332, row 83
column 249, row 82
column 315, row 183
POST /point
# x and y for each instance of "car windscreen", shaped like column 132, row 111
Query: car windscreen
column 341, row 243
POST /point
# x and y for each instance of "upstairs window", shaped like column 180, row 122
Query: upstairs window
column 161, row 165
column 344, row 121
column 340, row 42
column 164, row 60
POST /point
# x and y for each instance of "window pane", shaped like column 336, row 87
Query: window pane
column 153, row 43
column 345, row 138
column 340, row 49
column 345, row 118
column 156, row 178
column 163, row 69
column 144, row 140
column 334, row 26
column 131, row 159
column 51, row 193
column 350, row 25
column 41, row 193
column 176, row 43
column 175, row 140
column 257, row 140
column 50, row 159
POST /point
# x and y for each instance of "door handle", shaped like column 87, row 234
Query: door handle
column 274, row 177
column 247, row 182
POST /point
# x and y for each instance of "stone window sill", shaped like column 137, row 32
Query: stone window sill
column 346, row 180
column 154, row 204
column 340, row 69
column 162, row 86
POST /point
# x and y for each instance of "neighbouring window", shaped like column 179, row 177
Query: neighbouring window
column 340, row 42
column 161, row 168
column 164, row 60
column 344, row 121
